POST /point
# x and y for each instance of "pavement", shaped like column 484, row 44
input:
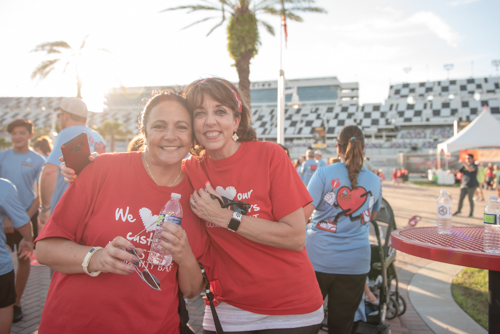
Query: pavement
column 424, row 284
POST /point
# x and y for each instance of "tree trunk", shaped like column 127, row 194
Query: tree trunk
column 112, row 143
column 78, row 90
column 243, row 69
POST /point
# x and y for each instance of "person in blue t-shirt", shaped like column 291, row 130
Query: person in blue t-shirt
column 72, row 114
column 21, row 166
column 346, row 197
column 11, row 208
column 309, row 167
column 318, row 156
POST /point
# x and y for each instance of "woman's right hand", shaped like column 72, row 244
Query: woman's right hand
column 111, row 258
column 68, row 173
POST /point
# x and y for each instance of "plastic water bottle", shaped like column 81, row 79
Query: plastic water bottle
column 444, row 213
column 491, row 233
column 171, row 213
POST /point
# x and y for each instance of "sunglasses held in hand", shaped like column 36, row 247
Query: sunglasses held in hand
column 236, row 206
column 145, row 275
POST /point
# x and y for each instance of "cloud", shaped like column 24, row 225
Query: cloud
column 460, row 2
column 437, row 26
column 395, row 26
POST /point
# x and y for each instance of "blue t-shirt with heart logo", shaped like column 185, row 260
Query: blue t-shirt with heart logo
column 337, row 240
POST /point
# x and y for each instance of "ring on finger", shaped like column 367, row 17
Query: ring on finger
column 192, row 203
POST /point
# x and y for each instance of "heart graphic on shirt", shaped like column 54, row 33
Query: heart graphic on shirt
column 313, row 167
column 148, row 219
column 351, row 200
column 100, row 148
column 229, row 192
column 335, row 183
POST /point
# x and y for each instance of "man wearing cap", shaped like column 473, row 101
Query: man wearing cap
column 309, row 167
column 318, row 157
column 21, row 166
column 72, row 114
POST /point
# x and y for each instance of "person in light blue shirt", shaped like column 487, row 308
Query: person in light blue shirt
column 318, row 156
column 346, row 197
column 72, row 114
column 21, row 166
column 11, row 207
column 309, row 167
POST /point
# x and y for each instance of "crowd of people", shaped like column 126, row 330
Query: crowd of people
column 246, row 208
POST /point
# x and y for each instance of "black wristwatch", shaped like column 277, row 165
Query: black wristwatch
column 234, row 223
column 42, row 209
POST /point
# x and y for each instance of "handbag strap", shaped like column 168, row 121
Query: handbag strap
column 210, row 297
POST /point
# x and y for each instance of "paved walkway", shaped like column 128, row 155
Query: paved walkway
column 421, row 316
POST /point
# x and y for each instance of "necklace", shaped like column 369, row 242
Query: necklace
column 152, row 176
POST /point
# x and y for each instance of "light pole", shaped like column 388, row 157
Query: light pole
column 496, row 63
column 448, row 68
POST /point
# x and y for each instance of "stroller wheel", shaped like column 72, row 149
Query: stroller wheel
column 392, row 309
column 402, row 306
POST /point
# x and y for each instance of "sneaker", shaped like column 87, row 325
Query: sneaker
column 18, row 314
column 471, row 215
column 456, row 213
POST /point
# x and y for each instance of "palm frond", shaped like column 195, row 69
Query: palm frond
column 200, row 21
column 50, row 46
column 104, row 50
column 307, row 9
column 293, row 17
column 83, row 42
column 269, row 10
column 192, row 8
column 44, row 69
column 268, row 27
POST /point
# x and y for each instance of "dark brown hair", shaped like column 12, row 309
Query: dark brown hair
column 20, row 122
column 352, row 141
column 221, row 91
column 44, row 144
column 136, row 144
column 156, row 98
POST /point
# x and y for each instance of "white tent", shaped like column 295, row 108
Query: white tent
column 483, row 131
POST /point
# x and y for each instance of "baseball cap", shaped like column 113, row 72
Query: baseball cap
column 74, row 106
column 318, row 152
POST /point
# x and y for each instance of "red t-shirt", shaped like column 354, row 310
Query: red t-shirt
column 114, row 196
column 249, row 275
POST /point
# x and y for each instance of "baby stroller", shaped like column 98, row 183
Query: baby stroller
column 383, row 279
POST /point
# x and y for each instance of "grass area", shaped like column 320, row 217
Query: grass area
column 470, row 291
column 426, row 183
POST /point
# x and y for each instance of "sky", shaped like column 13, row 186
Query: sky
column 366, row 41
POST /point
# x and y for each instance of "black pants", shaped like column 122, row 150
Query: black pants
column 344, row 295
column 470, row 193
column 301, row 330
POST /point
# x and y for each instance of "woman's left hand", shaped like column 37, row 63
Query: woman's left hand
column 179, row 245
column 207, row 208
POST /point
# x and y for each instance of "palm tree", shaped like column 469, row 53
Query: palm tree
column 113, row 130
column 242, row 29
column 61, row 52
column 4, row 143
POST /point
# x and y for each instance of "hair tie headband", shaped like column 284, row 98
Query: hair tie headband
column 232, row 90
column 353, row 138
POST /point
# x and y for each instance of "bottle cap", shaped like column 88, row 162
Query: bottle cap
column 444, row 192
column 175, row 195
column 494, row 198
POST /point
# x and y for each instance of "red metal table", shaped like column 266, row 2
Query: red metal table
column 464, row 247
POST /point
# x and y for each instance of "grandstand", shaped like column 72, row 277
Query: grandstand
column 395, row 124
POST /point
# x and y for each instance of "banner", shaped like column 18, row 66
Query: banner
column 481, row 155
column 319, row 137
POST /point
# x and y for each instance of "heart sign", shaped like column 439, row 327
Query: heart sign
column 335, row 183
column 351, row 200
column 229, row 192
column 148, row 219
